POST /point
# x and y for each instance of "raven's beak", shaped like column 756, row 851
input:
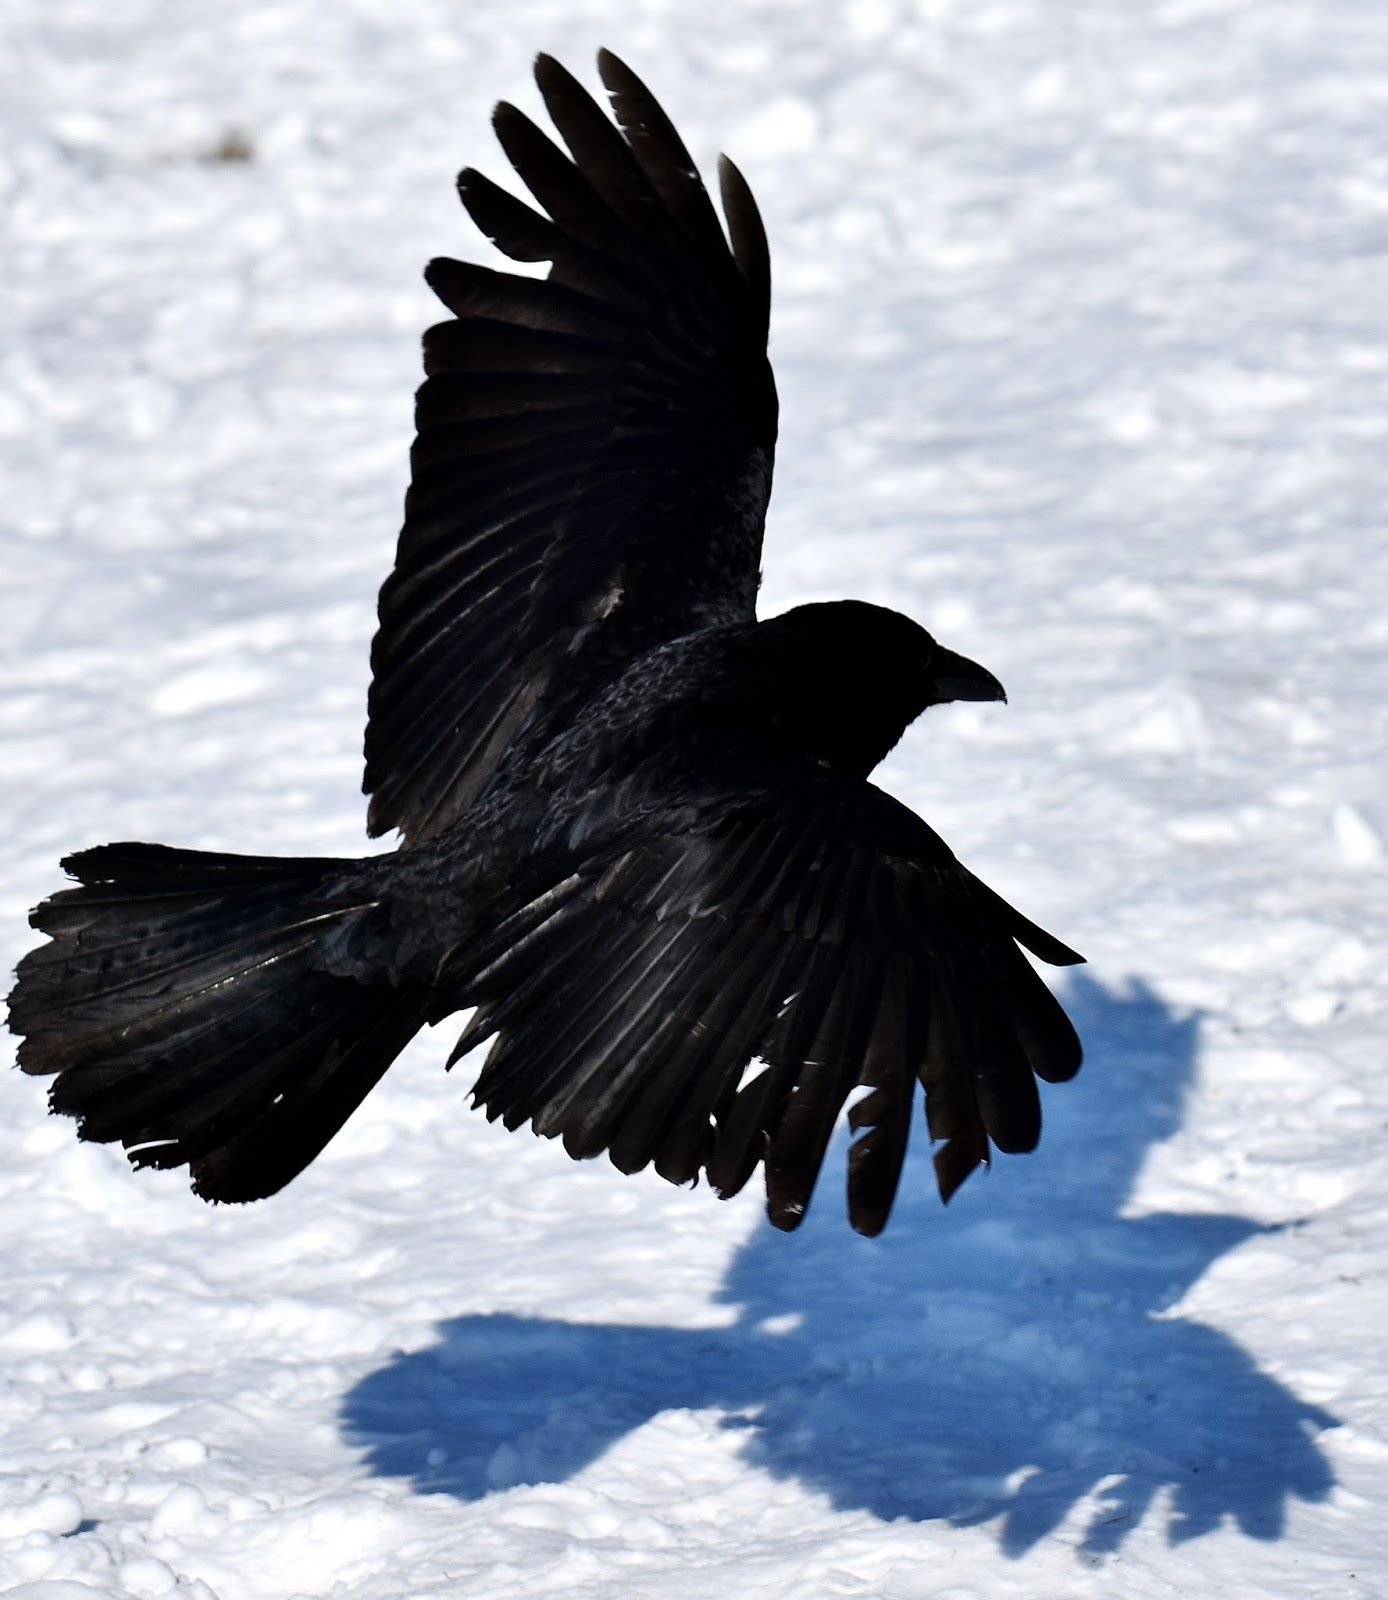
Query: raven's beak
column 958, row 678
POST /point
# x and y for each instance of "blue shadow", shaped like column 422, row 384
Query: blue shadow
column 1011, row 1359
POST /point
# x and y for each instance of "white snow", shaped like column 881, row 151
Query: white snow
column 1082, row 339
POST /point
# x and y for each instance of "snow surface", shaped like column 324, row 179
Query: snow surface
column 1082, row 338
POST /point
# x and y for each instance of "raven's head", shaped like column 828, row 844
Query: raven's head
column 849, row 678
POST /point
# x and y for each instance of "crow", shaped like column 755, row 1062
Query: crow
column 638, row 840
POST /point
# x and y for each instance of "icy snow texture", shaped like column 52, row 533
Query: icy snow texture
column 1083, row 341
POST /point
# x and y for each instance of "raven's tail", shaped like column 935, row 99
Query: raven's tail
column 183, row 1005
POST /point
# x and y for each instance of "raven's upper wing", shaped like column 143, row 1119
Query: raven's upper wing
column 594, row 450
column 832, row 936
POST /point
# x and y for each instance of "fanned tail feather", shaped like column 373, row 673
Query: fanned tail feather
column 182, row 1009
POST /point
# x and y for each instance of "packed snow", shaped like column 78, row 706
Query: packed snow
column 1082, row 340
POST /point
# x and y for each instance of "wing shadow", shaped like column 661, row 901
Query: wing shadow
column 1011, row 1360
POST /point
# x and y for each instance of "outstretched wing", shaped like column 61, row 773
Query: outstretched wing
column 835, row 940
column 594, row 450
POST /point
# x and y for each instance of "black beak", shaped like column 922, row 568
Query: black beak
column 958, row 678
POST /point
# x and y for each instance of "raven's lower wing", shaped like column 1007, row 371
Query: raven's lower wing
column 594, row 449
column 829, row 945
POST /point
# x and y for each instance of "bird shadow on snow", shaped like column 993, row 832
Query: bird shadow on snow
column 1012, row 1360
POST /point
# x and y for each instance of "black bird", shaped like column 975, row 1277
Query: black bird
column 637, row 832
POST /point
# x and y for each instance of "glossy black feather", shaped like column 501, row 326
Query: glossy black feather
column 638, row 837
column 806, row 927
column 640, row 370
column 183, row 1010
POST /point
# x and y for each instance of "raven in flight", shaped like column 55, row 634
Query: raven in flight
column 638, row 837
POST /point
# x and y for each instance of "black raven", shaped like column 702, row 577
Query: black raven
column 637, row 832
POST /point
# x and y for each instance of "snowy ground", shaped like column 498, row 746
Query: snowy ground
column 1083, row 345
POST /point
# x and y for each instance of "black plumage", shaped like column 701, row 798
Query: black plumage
column 638, row 836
